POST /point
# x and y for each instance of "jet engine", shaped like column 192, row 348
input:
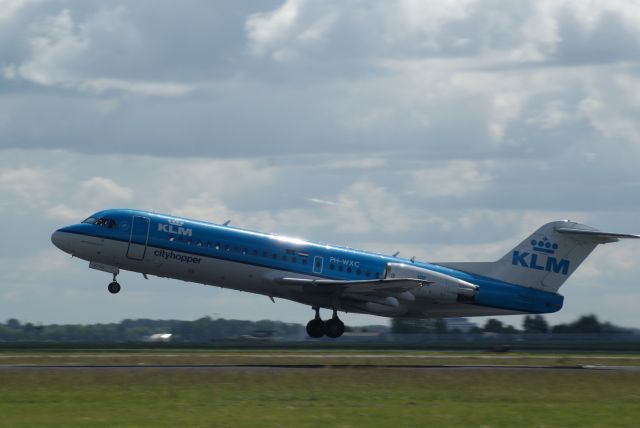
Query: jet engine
column 437, row 287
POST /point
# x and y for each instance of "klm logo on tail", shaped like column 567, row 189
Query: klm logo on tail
column 541, row 258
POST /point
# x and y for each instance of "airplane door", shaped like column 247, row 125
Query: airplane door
column 138, row 238
column 317, row 264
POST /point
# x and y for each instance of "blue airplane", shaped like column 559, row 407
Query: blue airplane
column 525, row 281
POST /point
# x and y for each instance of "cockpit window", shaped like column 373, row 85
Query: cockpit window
column 109, row 223
column 106, row 222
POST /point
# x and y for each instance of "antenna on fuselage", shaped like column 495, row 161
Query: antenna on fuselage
column 226, row 223
column 413, row 259
column 395, row 254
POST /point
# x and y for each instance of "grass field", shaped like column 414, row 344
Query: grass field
column 358, row 396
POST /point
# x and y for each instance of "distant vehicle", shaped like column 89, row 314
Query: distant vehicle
column 159, row 337
column 525, row 281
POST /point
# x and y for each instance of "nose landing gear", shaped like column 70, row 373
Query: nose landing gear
column 114, row 287
column 317, row 328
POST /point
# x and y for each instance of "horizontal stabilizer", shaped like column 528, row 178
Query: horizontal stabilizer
column 596, row 235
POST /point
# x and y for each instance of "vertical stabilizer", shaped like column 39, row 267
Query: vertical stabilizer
column 547, row 258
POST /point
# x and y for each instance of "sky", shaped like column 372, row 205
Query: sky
column 448, row 131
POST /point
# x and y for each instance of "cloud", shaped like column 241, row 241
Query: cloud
column 299, row 78
column 58, row 46
column 92, row 194
column 101, row 190
column 554, row 114
column 10, row 8
column 54, row 42
column 271, row 28
column 452, row 179
column 65, row 213
column 29, row 185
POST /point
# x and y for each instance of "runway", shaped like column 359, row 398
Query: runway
column 71, row 367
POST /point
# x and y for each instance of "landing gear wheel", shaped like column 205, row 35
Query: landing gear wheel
column 334, row 327
column 315, row 328
column 114, row 288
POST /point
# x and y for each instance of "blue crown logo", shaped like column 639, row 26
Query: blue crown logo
column 544, row 246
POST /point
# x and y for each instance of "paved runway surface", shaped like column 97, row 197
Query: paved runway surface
column 328, row 355
column 309, row 366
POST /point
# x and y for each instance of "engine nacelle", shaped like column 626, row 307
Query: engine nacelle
column 438, row 286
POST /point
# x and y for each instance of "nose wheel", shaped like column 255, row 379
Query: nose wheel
column 317, row 328
column 114, row 287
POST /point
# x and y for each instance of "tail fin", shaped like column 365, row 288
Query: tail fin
column 547, row 258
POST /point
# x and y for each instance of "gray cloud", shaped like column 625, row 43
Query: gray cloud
column 227, row 79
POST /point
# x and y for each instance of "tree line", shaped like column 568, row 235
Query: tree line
column 199, row 331
column 531, row 324
column 206, row 329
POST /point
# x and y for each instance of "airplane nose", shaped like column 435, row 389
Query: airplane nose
column 56, row 239
column 60, row 240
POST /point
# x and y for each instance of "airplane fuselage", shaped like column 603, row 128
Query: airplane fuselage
column 218, row 255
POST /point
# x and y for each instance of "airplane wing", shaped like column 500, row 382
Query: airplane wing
column 377, row 287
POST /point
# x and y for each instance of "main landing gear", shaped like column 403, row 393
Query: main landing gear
column 114, row 287
column 317, row 328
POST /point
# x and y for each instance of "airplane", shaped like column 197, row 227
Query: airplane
column 524, row 281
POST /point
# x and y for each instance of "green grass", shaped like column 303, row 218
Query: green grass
column 327, row 397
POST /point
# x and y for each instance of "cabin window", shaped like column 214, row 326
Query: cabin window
column 245, row 251
column 208, row 244
column 377, row 274
column 255, row 253
column 172, row 238
column 274, row 256
column 217, row 247
column 199, row 243
column 265, row 253
column 340, row 268
column 358, row 271
column 293, row 259
column 226, row 247
column 318, row 264
column 349, row 269
column 189, row 241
